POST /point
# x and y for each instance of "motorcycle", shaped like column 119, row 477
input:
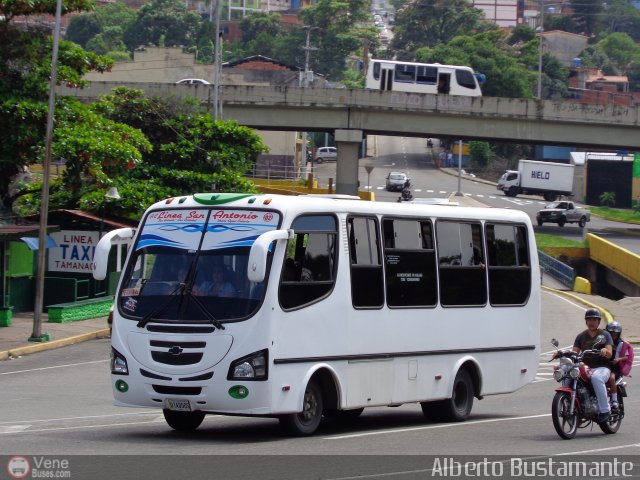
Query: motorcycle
column 406, row 195
column 574, row 404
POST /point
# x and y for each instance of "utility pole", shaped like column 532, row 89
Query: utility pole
column 36, row 335
column 541, row 33
column 217, row 62
column 304, row 82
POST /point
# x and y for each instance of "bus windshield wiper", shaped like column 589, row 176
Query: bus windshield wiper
column 158, row 311
column 214, row 321
column 188, row 294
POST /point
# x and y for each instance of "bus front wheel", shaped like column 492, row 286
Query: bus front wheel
column 307, row 421
column 183, row 421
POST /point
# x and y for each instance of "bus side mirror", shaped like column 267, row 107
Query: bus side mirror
column 257, row 266
column 101, row 255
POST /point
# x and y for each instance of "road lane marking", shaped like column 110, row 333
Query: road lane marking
column 63, row 419
column 158, row 419
column 54, row 366
column 432, row 427
column 13, row 428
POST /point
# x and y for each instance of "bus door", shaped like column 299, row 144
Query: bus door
column 444, row 82
column 386, row 77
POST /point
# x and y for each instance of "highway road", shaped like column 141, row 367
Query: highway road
column 59, row 403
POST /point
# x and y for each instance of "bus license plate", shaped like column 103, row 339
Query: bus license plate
column 177, row 405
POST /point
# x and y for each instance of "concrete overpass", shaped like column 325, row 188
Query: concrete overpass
column 351, row 114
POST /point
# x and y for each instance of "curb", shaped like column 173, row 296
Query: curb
column 63, row 342
column 607, row 315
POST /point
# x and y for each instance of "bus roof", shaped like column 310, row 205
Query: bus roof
column 397, row 62
column 295, row 205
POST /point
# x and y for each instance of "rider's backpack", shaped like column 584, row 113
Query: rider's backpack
column 624, row 349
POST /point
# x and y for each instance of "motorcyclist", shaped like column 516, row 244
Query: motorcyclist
column 621, row 362
column 406, row 192
column 599, row 364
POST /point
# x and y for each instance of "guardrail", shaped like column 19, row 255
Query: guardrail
column 558, row 270
column 614, row 257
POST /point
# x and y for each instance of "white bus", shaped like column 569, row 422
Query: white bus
column 422, row 78
column 336, row 305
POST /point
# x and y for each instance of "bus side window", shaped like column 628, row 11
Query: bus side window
column 366, row 267
column 410, row 264
column 509, row 269
column 308, row 272
column 463, row 279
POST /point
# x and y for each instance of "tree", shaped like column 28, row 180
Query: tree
column 480, row 153
column 83, row 28
column 586, row 13
column 25, row 66
column 337, row 34
column 168, row 19
column 506, row 76
column 521, row 34
column 621, row 49
column 427, row 23
column 257, row 23
column 608, row 199
column 9, row 9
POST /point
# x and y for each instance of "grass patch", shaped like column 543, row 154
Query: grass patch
column 545, row 240
column 616, row 214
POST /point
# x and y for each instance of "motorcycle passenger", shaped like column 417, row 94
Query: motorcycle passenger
column 621, row 362
column 599, row 364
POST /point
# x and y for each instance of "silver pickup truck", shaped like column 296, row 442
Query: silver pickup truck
column 562, row 212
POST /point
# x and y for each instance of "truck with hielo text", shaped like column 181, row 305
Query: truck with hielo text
column 538, row 178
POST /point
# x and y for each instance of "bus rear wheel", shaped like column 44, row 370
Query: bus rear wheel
column 183, row 421
column 454, row 409
column 305, row 423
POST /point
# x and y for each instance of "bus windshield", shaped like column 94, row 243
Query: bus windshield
column 191, row 265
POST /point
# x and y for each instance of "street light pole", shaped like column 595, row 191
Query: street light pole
column 36, row 334
column 112, row 194
column 459, row 192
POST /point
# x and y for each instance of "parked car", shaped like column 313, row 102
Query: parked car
column 325, row 154
column 193, row 81
column 397, row 181
column 562, row 212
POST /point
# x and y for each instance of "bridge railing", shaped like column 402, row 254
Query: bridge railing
column 558, row 270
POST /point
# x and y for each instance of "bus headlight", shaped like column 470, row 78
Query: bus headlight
column 118, row 363
column 251, row 367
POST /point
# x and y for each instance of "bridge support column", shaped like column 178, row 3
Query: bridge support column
column 348, row 143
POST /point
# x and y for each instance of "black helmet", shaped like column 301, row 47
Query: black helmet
column 614, row 327
column 592, row 313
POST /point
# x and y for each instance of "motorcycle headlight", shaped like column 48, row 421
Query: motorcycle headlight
column 557, row 375
column 574, row 373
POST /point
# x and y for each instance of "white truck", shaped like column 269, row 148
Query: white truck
column 539, row 178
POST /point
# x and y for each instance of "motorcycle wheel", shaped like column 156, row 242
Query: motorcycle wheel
column 612, row 425
column 566, row 425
